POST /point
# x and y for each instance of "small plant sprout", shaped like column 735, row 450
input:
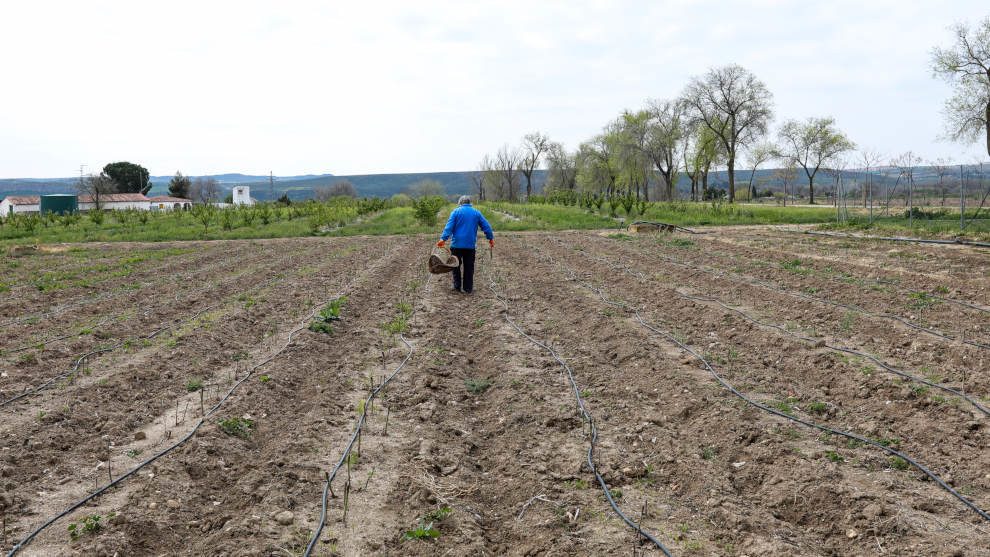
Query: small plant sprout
column 238, row 426
column 478, row 385
column 88, row 525
column 194, row 384
column 898, row 463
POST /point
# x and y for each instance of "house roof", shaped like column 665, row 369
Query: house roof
column 105, row 198
column 24, row 199
column 114, row 198
column 168, row 199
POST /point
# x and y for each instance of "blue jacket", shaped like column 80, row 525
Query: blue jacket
column 463, row 224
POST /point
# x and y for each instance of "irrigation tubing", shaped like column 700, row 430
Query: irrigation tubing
column 779, row 413
column 587, row 419
column 274, row 265
column 868, row 356
column 891, row 238
column 107, row 295
column 188, row 436
column 829, row 302
column 845, row 280
column 668, row 226
column 357, row 431
column 157, row 332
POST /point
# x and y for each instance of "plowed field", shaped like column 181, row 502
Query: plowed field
column 744, row 392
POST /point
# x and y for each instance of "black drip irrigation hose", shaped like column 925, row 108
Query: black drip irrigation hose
column 157, row 332
column 845, row 280
column 825, row 301
column 668, row 226
column 890, row 238
column 357, row 431
column 784, row 330
column 936, row 296
column 784, row 415
column 84, row 357
column 107, row 295
column 350, row 445
column 202, row 420
column 587, row 419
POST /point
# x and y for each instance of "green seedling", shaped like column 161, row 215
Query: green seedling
column 238, row 426
column 478, row 386
column 88, row 525
column 834, row 456
column 438, row 514
column 709, row 453
column 194, row 384
column 265, row 379
column 898, row 463
column 817, row 408
column 423, row 531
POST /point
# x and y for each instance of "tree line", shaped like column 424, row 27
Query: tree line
column 722, row 119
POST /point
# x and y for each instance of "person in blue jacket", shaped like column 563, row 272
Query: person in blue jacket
column 463, row 225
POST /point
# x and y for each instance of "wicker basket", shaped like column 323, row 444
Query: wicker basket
column 443, row 262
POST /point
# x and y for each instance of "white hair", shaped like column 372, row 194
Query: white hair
column 465, row 199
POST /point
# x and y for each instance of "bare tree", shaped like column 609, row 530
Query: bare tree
column 758, row 155
column 97, row 187
column 870, row 159
column 941, row 168
column 426, row 188
column 665, row 129
column 535, row 145
column 204, row 190
column 735, row 105
column 967, row 66
column 787, row 177
column 812, row 144
column 337, row 189
column 506, row 166
column 561, row 168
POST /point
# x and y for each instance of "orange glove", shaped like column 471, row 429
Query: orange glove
column 440, row 244
column 491, row 243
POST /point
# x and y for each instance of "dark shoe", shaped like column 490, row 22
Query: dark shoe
column 455, row 289
column 468, row 291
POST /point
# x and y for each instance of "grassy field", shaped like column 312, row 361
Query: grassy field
column 354, row 217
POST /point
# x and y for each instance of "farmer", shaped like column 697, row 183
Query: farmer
column 463, row 225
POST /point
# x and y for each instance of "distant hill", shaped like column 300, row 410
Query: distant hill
column 301, row 187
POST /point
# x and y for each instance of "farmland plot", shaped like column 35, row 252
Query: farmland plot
column 587, row 375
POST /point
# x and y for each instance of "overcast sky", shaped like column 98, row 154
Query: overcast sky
column 209, row 87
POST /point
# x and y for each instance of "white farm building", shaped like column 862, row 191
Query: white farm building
column 167, row 203
column 17, row 204
column 242, row 196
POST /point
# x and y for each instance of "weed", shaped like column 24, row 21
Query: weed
column 867, row 370
column 922, row 301
column 585, row 394
column 898, row 463
column 848, row 320
column 478, row 385
column 938, row 399
column 709, row 453
column 942, row 289
column 265, row 379
column 684, row 528
column 194, row 384
column 834, row 456
column 133, row 453
column 239, row 356
column 238, row 426
column 319, row 327
column 616, row 493
column 479, row 323
column 693, row 545
column 423, row 531
column 892, row 443
column 87, row 525
column 577, row 484
column 919, row 391
column 817, row 408
column 679, row 243
column 620, row 236
column 438, row 514
column 795, row 266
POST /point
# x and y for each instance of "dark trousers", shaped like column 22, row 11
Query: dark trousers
column 466, row 257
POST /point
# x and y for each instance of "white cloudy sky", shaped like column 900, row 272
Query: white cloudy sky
column 366, row 87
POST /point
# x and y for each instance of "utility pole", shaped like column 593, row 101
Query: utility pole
column 271, row 184
column 962, row 200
